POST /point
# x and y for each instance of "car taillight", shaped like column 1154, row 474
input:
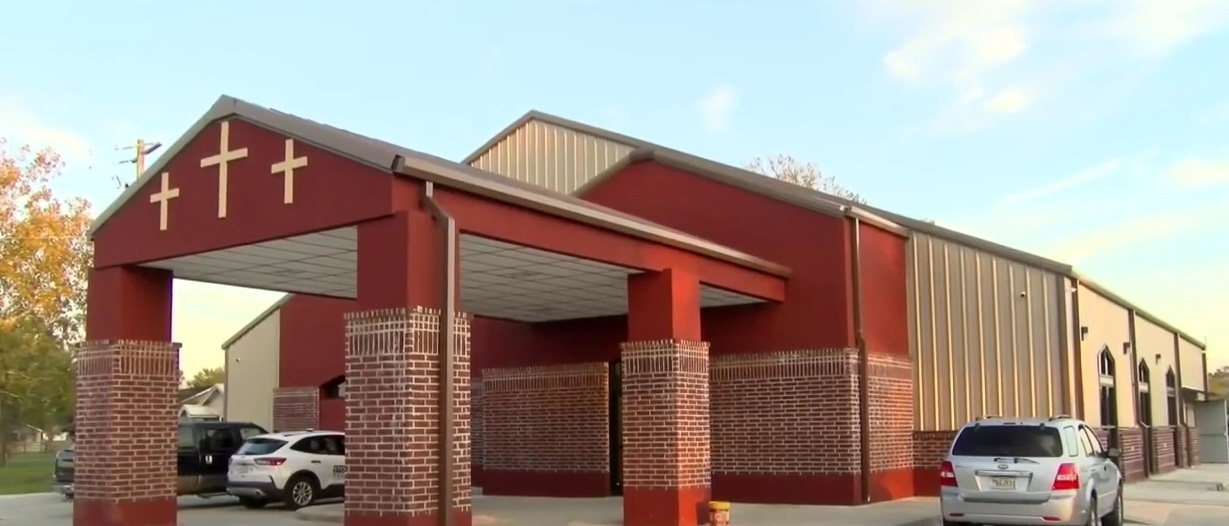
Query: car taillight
column 272, row 461
column 1067, row 478
column 947, row 475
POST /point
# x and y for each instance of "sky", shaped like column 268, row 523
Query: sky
column 1095, row 132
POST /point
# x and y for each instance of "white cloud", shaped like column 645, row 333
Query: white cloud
column 22, row 127
column 1157, row 28
column 1198, row 172
column 1009, row 101
column 1104, row 169
column 715, row 108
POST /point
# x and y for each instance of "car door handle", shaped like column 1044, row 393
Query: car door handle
column 315, row 462
column 209, row 459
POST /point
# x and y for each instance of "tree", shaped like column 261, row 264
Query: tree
column 44, row 264
column 1218, row 382
column 790, row 170
column 207, row 377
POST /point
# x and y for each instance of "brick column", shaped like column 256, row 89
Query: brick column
column 126, row 433
column 666, row 470
column 393, row 364
column 296, row 408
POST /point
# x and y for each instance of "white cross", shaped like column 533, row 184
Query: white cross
column 162, row 198
column 224, row 157
column 286, row 168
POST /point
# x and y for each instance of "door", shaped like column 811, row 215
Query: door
column 1212, row 421
column 189, row 464
column 218, row 444
column 616, row 428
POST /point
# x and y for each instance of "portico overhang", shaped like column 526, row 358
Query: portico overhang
column 284, row 213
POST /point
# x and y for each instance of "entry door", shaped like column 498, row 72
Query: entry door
column 616, row 428
column 1213, row 423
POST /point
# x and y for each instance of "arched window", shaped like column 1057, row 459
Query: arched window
column 1109, row 395
column 1145, row 394
column 1171, row 396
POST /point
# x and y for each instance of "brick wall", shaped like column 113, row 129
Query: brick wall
column 476, row 432
column 393, row 362
column 126, row 433
column 1192, row 440
column 546, row 430
column 666, row 432
column 891, row 426
column 1131, row 442
column 1164, row 451
column 296, row 408
column 1182, row 456
column 785, row 426
column 929, row 448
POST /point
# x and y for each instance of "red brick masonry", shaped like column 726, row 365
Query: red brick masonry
column 477, row 425
column 929, row 448
column 393, row 365
column 546, row 431
column 296, row 408
column 126, row 433
column 1163, row 443
column 1192, row 449
column 892, row 445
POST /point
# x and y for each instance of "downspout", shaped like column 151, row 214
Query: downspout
column 864, row 389
column 447, row 349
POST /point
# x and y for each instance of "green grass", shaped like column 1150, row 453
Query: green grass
column 26, row 473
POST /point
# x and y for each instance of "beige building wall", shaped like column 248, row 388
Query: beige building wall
column 1109, row 327
column 551, row 156
column 252, row 372
column 1155, row 347
column 1194, row 375
column 987, row 335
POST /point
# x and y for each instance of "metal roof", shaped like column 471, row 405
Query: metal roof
column 395, row 159
column 807, row 198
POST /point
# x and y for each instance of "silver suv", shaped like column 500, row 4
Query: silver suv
column 1022, row 472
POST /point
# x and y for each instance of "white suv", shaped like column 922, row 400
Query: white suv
column 1024, row 472
column 297, row 468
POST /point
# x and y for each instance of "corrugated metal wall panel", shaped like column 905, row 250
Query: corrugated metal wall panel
column 551, row 156
column 986, row 336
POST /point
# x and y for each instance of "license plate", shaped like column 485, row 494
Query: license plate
column 242, row 469
column 1003, row 482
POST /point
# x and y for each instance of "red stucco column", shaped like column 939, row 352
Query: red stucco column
column 127, row 378
column 393, row 365
column 666, row 476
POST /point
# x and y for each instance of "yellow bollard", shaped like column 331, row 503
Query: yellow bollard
column 719, row 513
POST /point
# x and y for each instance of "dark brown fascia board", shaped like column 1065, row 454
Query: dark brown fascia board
column 1108, row 294
column 472, row 180
column 256, row 321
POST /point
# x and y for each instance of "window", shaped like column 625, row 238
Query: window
column 1086, row 445
column 219, row 439
column 1093, row 441
column 187, row 439
column 1071, row 441
column 1171, row 396
column 1144, row 398
column 261, row 446
column 1008, row 441
column 321, row 445
column 247, row 432
column 1108, row 389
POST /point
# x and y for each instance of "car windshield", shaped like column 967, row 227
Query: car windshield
column 1008, row 441
column 261, row 446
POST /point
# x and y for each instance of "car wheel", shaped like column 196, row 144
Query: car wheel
column 1093, row 519
column 1116, row 517
column 301, row 492
column 252, row 503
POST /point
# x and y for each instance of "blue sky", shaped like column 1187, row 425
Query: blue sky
column 1091, row 131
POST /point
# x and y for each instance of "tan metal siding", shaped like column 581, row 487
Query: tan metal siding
column 980, row 345
column 1193, row 374
column 1109, row 326
column 551, row 156
column 1156, row 350
column 252, row 373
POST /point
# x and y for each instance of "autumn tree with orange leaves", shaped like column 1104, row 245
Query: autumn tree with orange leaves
column 44, row 263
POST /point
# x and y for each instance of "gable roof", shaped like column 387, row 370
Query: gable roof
column 256, row 321
column 398, row 160
column 806, row 198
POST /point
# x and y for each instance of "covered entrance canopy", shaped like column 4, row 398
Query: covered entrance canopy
column 258, row 198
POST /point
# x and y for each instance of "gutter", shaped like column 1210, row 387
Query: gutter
column 447, row 350
column 864, row 390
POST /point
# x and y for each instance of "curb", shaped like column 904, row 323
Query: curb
column 321, row 513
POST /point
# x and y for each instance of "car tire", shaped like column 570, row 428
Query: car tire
column 1116, row 517
column 1093, row 519
column 253, row 503
column 301, row 491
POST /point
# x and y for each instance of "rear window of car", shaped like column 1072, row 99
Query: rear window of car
column 1008, row 441
column 261, row 446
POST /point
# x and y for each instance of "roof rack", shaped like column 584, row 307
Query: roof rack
column 1060, row 417
column 986, row 417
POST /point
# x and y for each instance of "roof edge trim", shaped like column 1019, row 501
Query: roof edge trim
column 1116, row 299
column 226, row 345
column 450, row 177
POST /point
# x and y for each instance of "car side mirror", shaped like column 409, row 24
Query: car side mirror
column 1113, row 453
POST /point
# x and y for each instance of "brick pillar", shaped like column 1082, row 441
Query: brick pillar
column 296, row 408
column 127, row 379
column 393, row 364
column 665, row 401
column 126, row 410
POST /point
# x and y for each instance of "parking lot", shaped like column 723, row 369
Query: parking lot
column 45, row 509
